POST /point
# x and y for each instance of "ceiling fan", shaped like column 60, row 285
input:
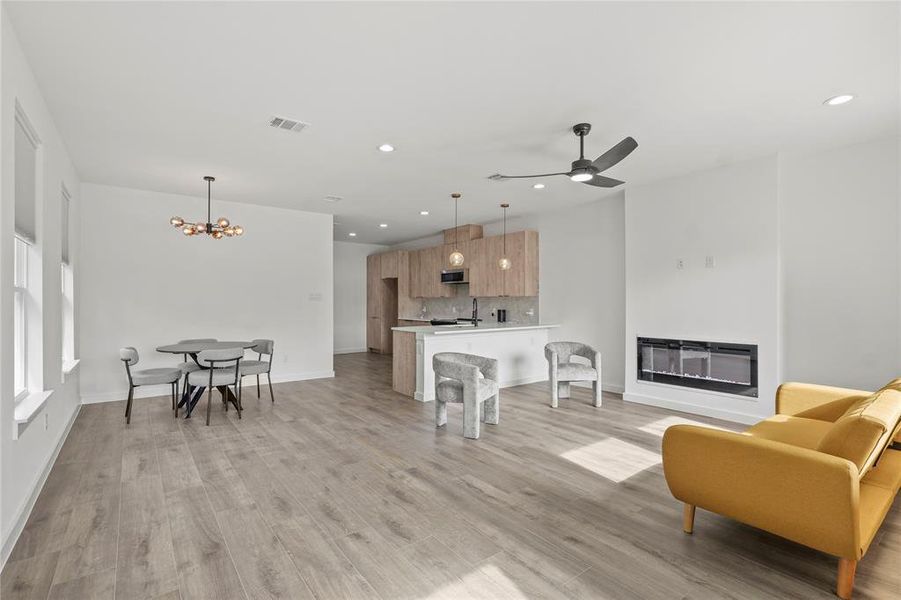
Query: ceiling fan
column 587, row 171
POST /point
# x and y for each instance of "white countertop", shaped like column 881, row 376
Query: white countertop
column 464, row 329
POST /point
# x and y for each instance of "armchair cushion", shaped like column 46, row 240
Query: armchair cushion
column 797, row 431
column 451, row 390
column 865, row 429
column 572, row 371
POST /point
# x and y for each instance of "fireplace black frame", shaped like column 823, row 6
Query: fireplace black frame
column 744, row 350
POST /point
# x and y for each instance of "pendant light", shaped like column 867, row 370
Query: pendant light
column 221, row 228
column 504, row 262
column 456, row 257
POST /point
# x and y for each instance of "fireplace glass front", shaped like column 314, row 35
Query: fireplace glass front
column 715, row 366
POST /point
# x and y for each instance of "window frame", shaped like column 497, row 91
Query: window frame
column 21, row 251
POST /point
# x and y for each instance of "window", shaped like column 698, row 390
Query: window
column 28, row 327
column 21, row 310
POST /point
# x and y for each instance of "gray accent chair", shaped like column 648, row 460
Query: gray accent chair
column 562, row 371
column 189, row 366
column 470, row 380
column 221, row 376
column 260, row 366
column 130, row 357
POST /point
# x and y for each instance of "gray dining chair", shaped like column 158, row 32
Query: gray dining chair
column 562, row 371
column 221, row 376
column 260, row 367
column 159, row 376
column 189, row 366
column 470, row 380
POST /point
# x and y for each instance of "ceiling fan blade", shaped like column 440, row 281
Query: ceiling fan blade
column 499, row 176
column 604, row 182
column 615, row 154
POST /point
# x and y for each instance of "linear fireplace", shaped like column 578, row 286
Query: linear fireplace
column 715, row 366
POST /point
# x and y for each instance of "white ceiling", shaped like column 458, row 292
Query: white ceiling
column 156, row 95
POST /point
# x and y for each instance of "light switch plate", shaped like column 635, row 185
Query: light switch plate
column 710, row 262
column 316, row 297
column 680, row 264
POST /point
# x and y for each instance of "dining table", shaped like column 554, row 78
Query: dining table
column 192, row 394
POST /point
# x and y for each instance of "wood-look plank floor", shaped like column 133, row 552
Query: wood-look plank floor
column 345, row 489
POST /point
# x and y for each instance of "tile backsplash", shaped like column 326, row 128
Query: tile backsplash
column 522, row 310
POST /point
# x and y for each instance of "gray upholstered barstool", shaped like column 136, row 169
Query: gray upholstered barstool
column 218, row 376
column 260, row 366
column 562, row 371
column 470, row 380
column 189, row 366
column 171, row 376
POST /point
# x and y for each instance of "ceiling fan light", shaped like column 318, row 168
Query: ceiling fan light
column 581, row 176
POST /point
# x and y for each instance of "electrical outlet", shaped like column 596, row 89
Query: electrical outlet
column 680, row 264
column 709, row 262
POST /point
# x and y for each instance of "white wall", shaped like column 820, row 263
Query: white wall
column 840, row 264
column 582, row 278
column 24, row 462
column 350, row 295
column 731, row 214
column 145, row 284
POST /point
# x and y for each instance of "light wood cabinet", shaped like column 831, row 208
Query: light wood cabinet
column 381, row 301
column 487, row 279
column 425, row 273
column 373, row 286
column 388, row 265
column 463, row 233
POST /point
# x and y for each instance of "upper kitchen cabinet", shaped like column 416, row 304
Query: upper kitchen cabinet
column 388, row 265
column 425, row 268
column 487, row 279
column 463, row 233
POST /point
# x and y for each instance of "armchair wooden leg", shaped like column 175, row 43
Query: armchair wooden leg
column 845, row 585
column 688, row 518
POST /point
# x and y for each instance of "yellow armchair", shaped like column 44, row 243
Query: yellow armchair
column 783, row 475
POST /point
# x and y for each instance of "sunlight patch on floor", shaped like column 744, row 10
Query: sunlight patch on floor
column 658, row 427
column 487, row 582
column 613, row 459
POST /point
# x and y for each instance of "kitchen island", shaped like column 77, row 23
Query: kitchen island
column 518, row 348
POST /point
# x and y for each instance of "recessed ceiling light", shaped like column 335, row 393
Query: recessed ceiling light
column 840, row 99
column 386, row 148
column 352, row 234
column 538, row 186
column 383, row 225
column 424, row 213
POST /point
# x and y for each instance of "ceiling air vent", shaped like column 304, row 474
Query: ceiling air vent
column 288, row 124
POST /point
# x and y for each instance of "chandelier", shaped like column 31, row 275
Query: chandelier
column 221, row 228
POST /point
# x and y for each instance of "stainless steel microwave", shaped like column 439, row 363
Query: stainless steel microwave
column 455, row 276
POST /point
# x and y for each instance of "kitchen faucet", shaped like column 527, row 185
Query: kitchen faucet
column 475, row 312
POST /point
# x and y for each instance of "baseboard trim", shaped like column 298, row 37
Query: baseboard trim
column 25, row 510
column 693, row 409
column 154, row 391
column 349, row 350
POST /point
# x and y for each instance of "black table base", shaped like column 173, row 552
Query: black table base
column 193, row 394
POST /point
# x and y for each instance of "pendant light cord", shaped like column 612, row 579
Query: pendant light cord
column 456, row 200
